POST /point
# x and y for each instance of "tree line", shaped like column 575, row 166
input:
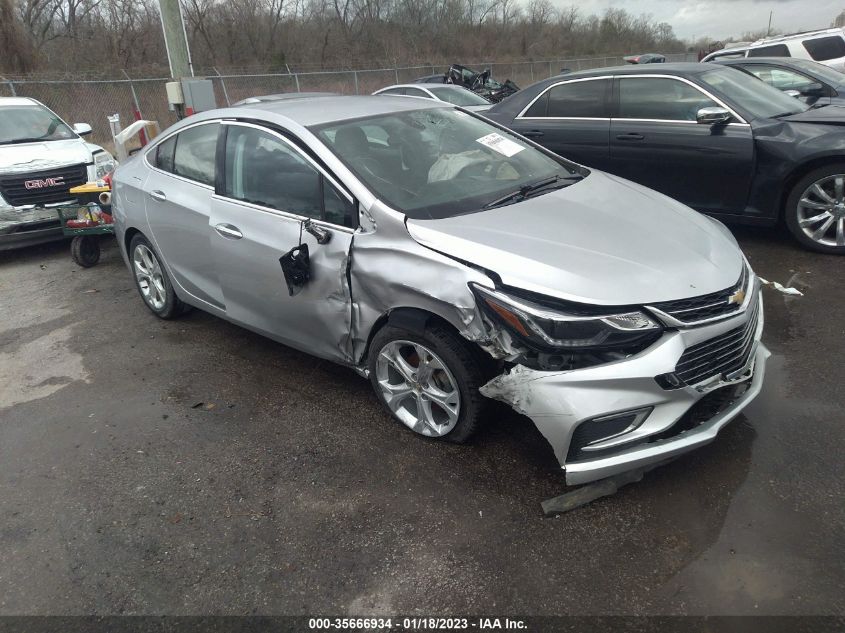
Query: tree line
column 109, row 35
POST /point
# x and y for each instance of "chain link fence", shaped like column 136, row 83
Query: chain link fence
column 93, row 100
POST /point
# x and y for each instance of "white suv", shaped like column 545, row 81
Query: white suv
column 41, row 158
column 826, row 47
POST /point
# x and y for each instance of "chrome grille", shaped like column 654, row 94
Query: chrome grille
column 14, row 189
column 722, row 354
column 704, row 307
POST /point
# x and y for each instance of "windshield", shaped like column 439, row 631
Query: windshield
column 757, row 98
column 460, row 96
column 439, row 162
column 29, row 123
column 820, row 71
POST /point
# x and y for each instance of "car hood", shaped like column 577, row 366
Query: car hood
column 829, row 115
column 29, row 157
column 603, row 241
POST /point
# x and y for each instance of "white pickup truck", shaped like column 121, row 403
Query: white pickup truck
column 41, row 158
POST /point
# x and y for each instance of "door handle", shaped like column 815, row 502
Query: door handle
column 158, row 195
column 229, row 231
column 632, row 136
column 533, row 134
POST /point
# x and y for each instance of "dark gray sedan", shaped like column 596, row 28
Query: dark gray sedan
column 716, row 139
column 814, row 83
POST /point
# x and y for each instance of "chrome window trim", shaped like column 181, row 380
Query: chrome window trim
column 704, row 91
column 164, row 139
column 341, row 188
column 555, row 85
column 285, row 215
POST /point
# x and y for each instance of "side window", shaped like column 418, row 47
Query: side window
column 195, row 151
column 573, row 99
column 416, row 92
column 164, row 154
column 822, row 49
column 393, row 91
column 776, row 50
column 659, row 98
column 780, row 78
column 264, row 170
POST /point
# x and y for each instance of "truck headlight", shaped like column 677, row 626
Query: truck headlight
column 104, row 163
column 547, row 328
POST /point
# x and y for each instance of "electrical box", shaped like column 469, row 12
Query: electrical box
column 174, row 93
column 198, row 95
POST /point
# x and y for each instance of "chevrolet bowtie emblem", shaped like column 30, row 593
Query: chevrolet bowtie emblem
column 738, row 297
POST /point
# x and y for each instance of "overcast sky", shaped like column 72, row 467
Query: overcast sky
column 723, row 18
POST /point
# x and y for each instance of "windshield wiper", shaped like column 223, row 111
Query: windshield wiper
column 525, row 191
column 15, row 141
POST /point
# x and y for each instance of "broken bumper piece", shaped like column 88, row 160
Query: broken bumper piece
column 616, row 417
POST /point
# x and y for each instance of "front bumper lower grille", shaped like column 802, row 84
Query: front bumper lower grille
column 49, row 186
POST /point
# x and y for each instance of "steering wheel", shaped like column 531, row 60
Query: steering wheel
column 367, row 163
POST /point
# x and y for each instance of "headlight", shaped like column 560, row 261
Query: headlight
column 547, row 329
column 104, row 163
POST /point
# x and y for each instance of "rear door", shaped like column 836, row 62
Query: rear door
column 656, row 141
column 267, row 192
column 178, row 195
column 571, row 118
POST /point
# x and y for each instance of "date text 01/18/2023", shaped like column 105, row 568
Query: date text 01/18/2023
column 417, row 624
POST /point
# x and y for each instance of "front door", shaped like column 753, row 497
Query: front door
column 268, row 193
column 656, row 141
column 571, row 119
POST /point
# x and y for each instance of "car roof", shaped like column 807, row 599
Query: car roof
column 418, row 86
column 678, row 68
column 282, row 96
column 17, row 101
column 320, row 110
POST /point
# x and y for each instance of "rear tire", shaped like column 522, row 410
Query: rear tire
column 428, row 381
column 815, row 210
column 152, row 281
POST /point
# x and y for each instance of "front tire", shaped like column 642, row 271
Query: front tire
column 815, row 210
column 428, row 381
column 152, row 281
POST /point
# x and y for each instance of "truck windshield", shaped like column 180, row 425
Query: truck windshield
column 442, row 162
column 31, row 123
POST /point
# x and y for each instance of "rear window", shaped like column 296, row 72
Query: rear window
column 777, row 50
column 824, row 48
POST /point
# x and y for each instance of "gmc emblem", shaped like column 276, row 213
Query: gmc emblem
column 46, row 182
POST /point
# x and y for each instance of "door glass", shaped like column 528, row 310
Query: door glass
column 777, row 50
column 574, row 99
column 264, row 170
column 416, row 92
column 824, row 48
column 164, row 154
column 658, row 98
column 195, row 151
column 393, row 91
column 780, row 78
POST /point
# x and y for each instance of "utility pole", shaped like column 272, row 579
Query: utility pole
column 769, row 29
column 175, row 39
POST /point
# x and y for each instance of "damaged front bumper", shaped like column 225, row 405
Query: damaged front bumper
column 661, row 421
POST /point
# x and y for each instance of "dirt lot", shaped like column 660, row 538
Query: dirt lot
column 192, row 467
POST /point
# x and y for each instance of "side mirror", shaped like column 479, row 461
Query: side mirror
column 713, row 116
column 83, row 129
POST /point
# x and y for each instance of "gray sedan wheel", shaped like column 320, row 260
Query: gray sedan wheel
column 152, row 281
column 816, row 210
column 428, row 381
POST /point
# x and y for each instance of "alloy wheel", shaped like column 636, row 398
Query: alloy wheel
column 821, row 211
column 149, row 276
column 418, row 388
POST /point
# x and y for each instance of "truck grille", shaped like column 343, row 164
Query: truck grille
column 722, row 354
column 42, row 187
column 709, row 306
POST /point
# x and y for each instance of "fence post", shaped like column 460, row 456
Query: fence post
column 222, row 85
column 296, row 79
column 11, row 85
column 396, row 74
column 551, row 74
column 355, row 76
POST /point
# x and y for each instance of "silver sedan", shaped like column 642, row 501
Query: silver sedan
column 451, row 261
